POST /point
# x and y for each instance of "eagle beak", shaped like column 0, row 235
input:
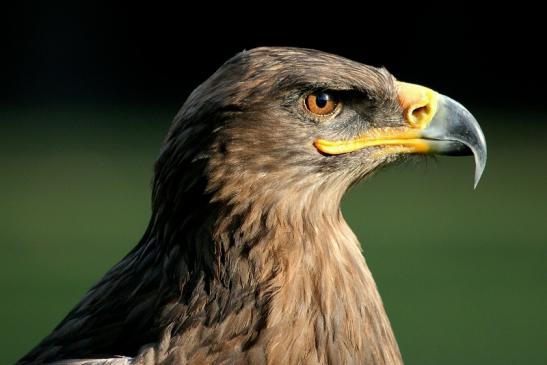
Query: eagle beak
column 436, row 124
column 455, row 132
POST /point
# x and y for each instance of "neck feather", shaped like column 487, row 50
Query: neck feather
column 281, row 243
column 302, row 252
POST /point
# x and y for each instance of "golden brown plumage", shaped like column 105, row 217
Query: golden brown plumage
column 247, row 258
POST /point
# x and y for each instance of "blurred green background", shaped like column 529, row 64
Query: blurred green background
column 461, row 271
column 87, row 91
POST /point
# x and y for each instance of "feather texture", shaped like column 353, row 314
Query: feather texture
column 247, row 258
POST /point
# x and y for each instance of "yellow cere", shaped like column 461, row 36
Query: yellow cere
column 419, row 104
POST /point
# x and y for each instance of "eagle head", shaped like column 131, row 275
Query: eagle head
column 282, row 121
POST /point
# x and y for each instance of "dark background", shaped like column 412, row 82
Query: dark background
column 87, row 52
column 88, row 91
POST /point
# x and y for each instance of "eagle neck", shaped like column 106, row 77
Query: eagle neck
column 322, row 302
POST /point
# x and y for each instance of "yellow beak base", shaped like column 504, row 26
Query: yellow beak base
column 408, row 139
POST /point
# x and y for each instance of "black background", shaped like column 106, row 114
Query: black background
column 87, row 52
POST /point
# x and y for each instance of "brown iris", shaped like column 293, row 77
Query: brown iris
column 321, row 103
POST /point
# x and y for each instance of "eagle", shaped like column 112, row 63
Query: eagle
column 247, row 258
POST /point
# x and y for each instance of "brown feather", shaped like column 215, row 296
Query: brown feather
column 247, row 258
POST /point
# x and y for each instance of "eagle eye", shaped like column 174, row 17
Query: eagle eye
column 322, row 102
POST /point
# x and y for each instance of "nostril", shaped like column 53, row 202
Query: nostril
column 420, row 114
column 422, row 111
column 419, row 104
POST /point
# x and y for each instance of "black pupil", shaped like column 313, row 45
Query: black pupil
column 322, row 99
